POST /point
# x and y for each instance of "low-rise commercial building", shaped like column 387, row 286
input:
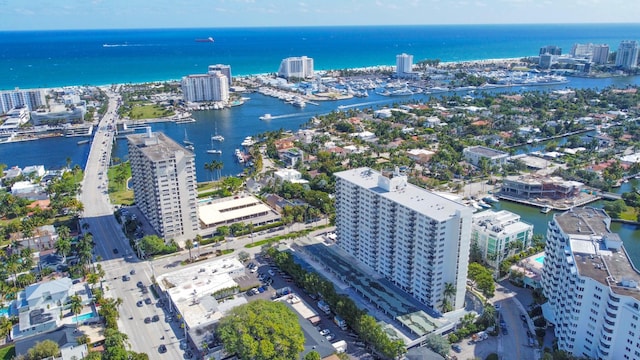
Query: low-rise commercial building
column 229, row 210
column 475, row 154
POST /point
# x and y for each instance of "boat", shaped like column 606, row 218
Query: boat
column 265, row 117
column 209, row 40
column 217, row 137
column 401, row 92
column 490, row 199
column 483, row 204
column 190, row 147
column 248, row 141
column 213, row 150
column 186, row 139
column 545, row 210
column 82, row 142
column 299, row 103
column 239, row 155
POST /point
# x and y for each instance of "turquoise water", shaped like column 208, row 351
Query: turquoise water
column 540, row 259
column 31, row 59
column 83, row 317
column 4, row 311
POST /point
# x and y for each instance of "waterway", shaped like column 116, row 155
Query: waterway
column 532, row 215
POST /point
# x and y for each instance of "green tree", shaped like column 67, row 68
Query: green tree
column 438, row 344
column 5, row 327
column 76, row 306
column 262, row 330
column 312, row 355
column 189, row 245
column 43, row 350
column 152, row 244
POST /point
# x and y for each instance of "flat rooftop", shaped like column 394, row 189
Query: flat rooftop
column 485, row 151
column 191, row 289
column 588, row 230
column 422, row 201
column 156, row 147
column 232, row 209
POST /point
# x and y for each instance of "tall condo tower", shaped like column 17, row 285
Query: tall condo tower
column 299, row 67
column 627, row 55
column 591, row 286
column 415, row 238
column 600, row 54
column 224, row 69
column 404, row 64
column 213, row 86
column 164, row 184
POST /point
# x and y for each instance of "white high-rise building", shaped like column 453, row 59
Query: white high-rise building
column 404, row 65
column 591, row 286
column 600, row 54
column 31, row 99
column 213, row 86
column 224, row 69
column 627, row 55
column 164, row 184
column 415, row 238
column 299, row 67
column 499, row 235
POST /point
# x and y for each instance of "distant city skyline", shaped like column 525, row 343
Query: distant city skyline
column 129, row 14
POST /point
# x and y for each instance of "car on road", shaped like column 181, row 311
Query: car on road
column 162, row 349
column 147, row 301
column 324, row 332
column 505, row 331
column 497, row 307
column 523, row 317
column 139, row 303
column 456, row 348
column 115, row 251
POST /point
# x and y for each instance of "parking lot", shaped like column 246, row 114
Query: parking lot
column 325, row 332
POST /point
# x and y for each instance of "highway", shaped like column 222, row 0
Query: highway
column 113, row 251
column 115, row 254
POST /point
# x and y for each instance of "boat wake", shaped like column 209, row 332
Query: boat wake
column 127, row 45
column 286, row 116
column 362, row 104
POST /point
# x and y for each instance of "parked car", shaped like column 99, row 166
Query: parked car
column 162, row 349
column 456, row 348
column 324, row 332
column 147, row 320
column 125, row 278
column 155, row 318
column 139, row 284
column 132, row 272
column 139, row 303
column 147, row 301
column 330, row 337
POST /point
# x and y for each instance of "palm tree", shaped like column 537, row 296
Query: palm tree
column 189, row 245
column 449, row 292
column 75, row 306
column 210, row 167
column 63, row 246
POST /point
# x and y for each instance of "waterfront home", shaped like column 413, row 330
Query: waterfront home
column 473, row 155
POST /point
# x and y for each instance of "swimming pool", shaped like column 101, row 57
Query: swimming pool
column 83, row 317
column 4, row 311
column 540, row 259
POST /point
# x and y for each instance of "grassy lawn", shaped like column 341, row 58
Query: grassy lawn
column 8, row 352
column 118, row 192
column 141, row 112
column 629, row 214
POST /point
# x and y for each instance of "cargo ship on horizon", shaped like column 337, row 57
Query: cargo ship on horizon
column 209, row 39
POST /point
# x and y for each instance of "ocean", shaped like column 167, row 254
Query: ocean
column 33, row 59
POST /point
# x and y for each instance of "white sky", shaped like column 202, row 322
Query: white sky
column 126, row 14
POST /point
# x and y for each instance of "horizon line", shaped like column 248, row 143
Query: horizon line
column 325, row 26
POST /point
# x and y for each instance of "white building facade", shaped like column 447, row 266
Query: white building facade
column 415, row 238
column 31, row 99
column 164, row 184
column 221, row 68
column 299, row 67
column 404, row 64
column 591, row 286
column 499, row 234
column 213, row 86
column 627, row 55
